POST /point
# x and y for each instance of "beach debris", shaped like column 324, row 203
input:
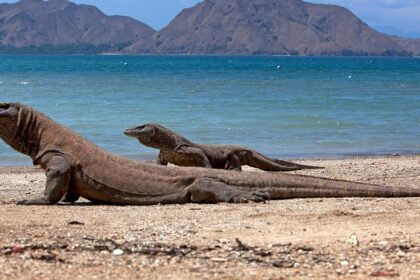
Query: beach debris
column 76, row 223
column 353, row 240
column 47, row 257
column 304, row 248
column 381, row 273
column 118, row 252
column 14, row 250
column 241, row 246
column 283, row 264
column 344, row 263
column 218, row 260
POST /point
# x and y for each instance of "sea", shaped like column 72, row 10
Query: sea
column 284, row 107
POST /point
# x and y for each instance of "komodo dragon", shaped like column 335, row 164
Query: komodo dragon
column 77, row 168
column 178, row 150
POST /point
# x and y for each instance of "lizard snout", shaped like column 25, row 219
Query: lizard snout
column 130, row 131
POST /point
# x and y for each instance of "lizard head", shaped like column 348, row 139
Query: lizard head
column 18, row 127
column 151, row 135
column 144, row 133
column 141, row 131
column 9, row 119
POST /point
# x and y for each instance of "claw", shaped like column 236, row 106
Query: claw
column 264, row 195
column 257, row 197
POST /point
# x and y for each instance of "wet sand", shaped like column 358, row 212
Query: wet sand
column 350, row 238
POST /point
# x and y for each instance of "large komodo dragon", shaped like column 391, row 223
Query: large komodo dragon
column 178, row 150
column 77, row 168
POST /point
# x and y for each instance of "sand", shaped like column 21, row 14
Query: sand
column 350, row 238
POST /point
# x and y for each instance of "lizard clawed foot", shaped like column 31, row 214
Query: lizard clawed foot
column 257, row 197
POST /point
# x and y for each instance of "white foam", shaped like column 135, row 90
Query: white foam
column 24, row 83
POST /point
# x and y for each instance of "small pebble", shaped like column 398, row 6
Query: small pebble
column 118, row 252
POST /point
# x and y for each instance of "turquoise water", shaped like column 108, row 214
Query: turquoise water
column 281, row 106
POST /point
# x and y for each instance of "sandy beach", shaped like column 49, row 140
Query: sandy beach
column 350, row 238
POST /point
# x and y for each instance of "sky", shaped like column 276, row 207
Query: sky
column 400, row 17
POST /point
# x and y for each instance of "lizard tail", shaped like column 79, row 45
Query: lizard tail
column 288, row 186
column 262, row 162
column 295, row 165
column 313, row 187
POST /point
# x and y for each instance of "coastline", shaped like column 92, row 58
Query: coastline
column 354, row 238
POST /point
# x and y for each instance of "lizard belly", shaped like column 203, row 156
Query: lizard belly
column 180, row 159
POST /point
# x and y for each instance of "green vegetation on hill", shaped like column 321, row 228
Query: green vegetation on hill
column 81, row 48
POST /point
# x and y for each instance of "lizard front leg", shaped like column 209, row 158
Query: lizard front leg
column 161, row 159
column 58, row 174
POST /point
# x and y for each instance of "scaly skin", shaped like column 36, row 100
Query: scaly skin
column 77, row 168
column 178, row 150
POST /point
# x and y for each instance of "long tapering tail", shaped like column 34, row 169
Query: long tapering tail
column 295, row 165
column 307, row 187
column 286, row 186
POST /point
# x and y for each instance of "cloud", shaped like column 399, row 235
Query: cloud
column 395, row 3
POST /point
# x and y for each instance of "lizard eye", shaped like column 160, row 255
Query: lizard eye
column 8, row 110
column 4, row 106
column 146, row 129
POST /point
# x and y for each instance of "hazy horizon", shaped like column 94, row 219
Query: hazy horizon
column 395, row 17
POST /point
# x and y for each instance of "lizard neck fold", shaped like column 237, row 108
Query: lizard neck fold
column 165, row 139
column 28, row 133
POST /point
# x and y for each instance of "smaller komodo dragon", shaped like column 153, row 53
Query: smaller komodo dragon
column 180, row 151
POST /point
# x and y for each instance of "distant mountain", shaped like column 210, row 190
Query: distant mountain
column 286, row 27
column 60, row 22
column 393, row 31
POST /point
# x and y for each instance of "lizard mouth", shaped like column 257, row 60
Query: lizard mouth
column 129, row 132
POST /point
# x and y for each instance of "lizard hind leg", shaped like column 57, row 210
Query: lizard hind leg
column 210, row 190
